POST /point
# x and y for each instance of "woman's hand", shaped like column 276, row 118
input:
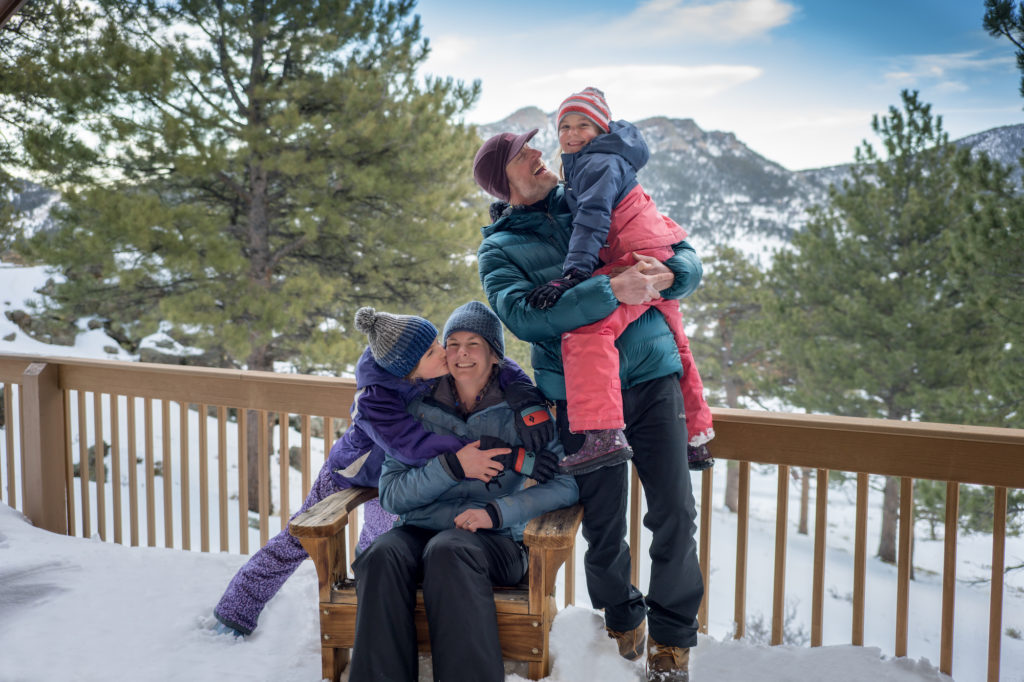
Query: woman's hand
column 478, row 464
column 473, row 520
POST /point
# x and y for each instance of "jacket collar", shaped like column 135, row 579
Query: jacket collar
column 508, row 217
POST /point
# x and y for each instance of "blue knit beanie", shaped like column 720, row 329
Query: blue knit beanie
column 397, row 342
column 476, row 318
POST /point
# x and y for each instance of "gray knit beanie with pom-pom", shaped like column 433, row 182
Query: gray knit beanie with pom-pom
column 476, row 318
column 396, row 341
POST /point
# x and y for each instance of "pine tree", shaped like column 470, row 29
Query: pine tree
column 243, row 175
column 1002, row 19
column 988, row 265
column 865, row 309
column 725, row 341
column 25, row 40
column 249, row 173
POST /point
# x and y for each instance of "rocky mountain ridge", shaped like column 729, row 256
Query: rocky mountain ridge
column 723, row 192
column 710, row 182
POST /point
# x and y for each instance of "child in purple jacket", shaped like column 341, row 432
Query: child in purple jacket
column 401, row 362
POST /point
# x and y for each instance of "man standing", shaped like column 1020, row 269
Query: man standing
column 526, row 246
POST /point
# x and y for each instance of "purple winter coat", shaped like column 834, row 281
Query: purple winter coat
column 381, row 424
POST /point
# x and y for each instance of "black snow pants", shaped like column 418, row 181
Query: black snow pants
column 656, row 430
column 458, row 570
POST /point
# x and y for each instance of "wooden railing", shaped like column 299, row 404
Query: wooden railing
column 62, row 407
column 54, row 408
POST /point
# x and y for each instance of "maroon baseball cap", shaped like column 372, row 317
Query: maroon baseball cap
column 491, row 159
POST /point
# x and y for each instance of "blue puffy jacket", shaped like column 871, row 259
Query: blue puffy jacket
column 382, row 425
column 430, row 497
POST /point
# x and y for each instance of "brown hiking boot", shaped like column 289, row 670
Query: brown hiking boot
column 667, row 663
column 631, row 642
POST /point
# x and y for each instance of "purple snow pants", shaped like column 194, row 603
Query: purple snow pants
column 267, row 570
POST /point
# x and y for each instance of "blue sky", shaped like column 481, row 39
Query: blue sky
column 796, row 80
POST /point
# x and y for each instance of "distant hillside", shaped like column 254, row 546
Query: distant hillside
column 720, row 190
column 716, row 187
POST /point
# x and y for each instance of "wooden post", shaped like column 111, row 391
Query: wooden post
column 44, row 437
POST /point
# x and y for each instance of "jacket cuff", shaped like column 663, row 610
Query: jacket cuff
column 451, row 464
column 494, row 513
column 687, row 269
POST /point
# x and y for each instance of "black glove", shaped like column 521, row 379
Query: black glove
column 540, row 467
column 547, row 295
column 545, row 466
column 534, row 424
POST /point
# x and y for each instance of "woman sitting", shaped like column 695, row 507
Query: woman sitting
column 460, row 537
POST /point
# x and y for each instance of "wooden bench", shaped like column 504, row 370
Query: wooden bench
column 525, row 613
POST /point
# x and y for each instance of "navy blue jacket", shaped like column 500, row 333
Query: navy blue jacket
column 597, row 178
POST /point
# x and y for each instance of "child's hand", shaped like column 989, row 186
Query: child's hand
column 547, row 295
column 540, row 466
column 534, row 424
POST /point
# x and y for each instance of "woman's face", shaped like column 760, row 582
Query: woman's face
column 469, row 357
column 433, row 364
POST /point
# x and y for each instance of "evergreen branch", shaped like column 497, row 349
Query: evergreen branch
column 225, row 63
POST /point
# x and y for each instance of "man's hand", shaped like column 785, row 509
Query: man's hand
column 481, row 463
column 653, row 267
column 633, row 287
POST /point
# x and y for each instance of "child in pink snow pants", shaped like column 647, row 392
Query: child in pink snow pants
column 614, row 221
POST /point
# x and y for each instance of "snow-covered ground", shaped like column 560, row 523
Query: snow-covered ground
column 82, row 609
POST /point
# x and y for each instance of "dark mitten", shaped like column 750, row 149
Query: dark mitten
column 491, row 443
column 538, row 467
column 534, row 424
column 545, row 466
column 547, row 295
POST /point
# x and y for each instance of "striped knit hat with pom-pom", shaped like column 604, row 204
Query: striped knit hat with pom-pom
column 589, row 102
column 397, row 342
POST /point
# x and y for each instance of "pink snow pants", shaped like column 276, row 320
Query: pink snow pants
column 591, row 362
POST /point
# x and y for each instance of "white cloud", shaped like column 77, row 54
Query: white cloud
column 721, row 22
column 912, row 70
column 633, row 91
column 948, row 87
column 448, row 50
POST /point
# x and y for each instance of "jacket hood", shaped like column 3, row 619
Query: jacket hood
column 625, row 140
column 369, row 373
column 497, row 208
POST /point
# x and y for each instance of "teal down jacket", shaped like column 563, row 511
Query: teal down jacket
column 429, row 497
column 525, row 247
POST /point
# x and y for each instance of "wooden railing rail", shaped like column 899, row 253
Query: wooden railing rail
column 47, row 403
column 910, row 451
column 51, row 399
